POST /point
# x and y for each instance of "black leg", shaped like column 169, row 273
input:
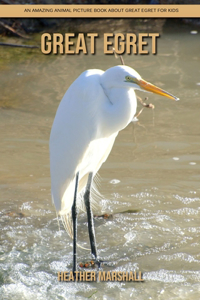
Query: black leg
column 90, row 217
column 74, row 220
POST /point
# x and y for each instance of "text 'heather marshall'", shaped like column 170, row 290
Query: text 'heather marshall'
column 100, row 276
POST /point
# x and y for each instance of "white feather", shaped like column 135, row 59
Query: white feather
column 85, row 127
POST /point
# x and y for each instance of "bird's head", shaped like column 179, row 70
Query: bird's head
column 126, row 77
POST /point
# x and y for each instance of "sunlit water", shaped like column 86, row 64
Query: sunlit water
column 153, row 169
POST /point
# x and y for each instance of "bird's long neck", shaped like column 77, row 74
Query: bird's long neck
column 118, row 110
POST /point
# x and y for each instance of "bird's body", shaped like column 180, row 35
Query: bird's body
column 79, row 140
column 94, row 109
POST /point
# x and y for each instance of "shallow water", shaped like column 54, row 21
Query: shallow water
column 153, row 169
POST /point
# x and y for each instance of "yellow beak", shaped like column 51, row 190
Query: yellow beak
column 154, row 89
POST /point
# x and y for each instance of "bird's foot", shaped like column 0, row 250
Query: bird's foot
column 92, row 264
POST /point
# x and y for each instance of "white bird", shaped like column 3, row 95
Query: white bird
column 94, row 109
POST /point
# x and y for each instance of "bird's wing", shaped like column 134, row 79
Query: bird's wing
column 74, row 127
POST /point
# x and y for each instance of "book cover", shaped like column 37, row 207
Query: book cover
column 99, row 161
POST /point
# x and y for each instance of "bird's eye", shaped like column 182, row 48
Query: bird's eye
column 128, row 78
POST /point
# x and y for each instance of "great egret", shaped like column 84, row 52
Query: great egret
column 94, row 109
